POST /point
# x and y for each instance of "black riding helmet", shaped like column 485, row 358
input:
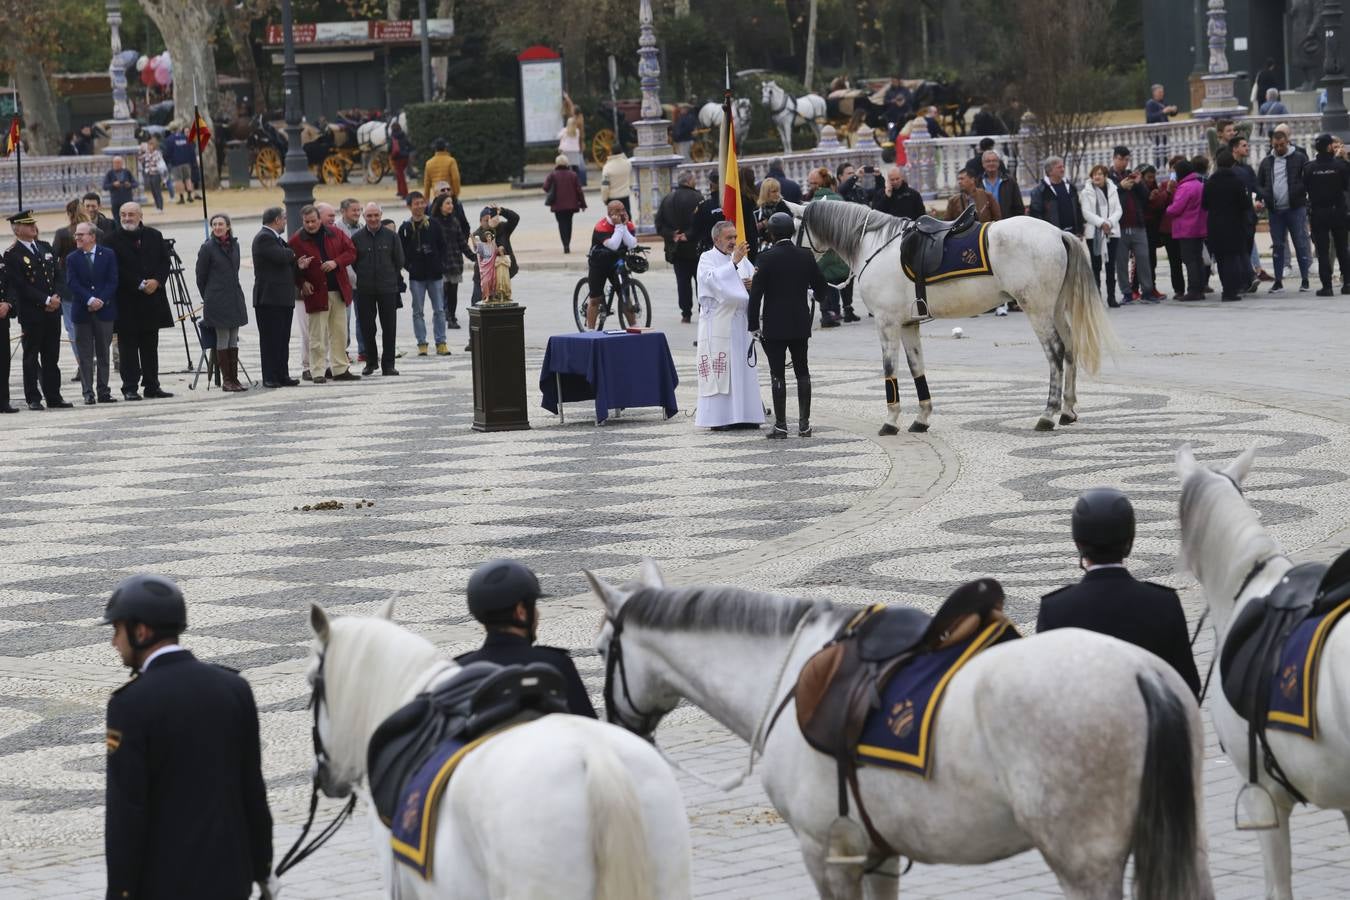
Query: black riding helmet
column 1103, row 525
column 781, row 226
column 497, row 586
column 151, row 600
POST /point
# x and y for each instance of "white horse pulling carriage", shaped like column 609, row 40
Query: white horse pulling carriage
column 562, row 807
column 372, row 138
column 710, row 116
column 787, row 111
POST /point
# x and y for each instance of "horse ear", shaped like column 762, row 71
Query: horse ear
column 609, row 597
column 1186, row 463
column 797, row 209
column 387, row 609
column 319, row 622
column 649, row 573
column 1238, row 468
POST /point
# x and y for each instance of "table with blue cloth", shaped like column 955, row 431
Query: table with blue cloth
column 617, row 370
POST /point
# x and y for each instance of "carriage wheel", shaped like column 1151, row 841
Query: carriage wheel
column 698, row 153
column 602, row 144
column 377, row 166
column 334, row 170
column 267, row 167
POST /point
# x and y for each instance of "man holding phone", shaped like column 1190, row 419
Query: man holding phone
column 612, row 237
column 1133, row 230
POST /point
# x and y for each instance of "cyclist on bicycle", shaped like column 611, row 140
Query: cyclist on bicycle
column 613, row 236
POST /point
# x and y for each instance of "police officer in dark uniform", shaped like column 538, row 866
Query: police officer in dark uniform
column 1108, row 599
column 781, row 278
column 7, row 312
column 187, row 808
column 1327, row 179
column 35, row 285
column 502, row 595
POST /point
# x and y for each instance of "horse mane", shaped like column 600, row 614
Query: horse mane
column 1220, row 527
column 842, row 224
column 717, row 608
column 362, row 653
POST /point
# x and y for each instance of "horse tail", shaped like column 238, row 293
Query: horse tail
column 1089, row 329
column 1166, row 833
column 620, row 855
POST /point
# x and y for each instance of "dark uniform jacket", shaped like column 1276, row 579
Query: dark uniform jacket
column 33, row 277
column 141, row 255
column 785, row 272
column 273, row 270
column 186, row 806
column 1110, row 601
column 1327, row 179
column 506, row 649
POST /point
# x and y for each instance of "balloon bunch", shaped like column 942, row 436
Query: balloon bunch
column 156, row 69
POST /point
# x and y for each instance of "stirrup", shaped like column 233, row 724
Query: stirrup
column 845, row 835
column 921, row 309
column 1263, row 818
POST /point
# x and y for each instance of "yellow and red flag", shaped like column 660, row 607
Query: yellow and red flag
column 11, row 137
column 200, row 132
column 731, row 174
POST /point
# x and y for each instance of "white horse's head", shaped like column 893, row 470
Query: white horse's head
column 767, row 92
column 360, row 671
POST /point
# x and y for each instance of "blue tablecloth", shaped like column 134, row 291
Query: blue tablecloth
column 618, row 371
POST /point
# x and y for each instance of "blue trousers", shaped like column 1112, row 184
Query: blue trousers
column 420, row 292
column 1293, row 222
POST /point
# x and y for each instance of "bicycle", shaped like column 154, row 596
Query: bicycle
column 635, row 302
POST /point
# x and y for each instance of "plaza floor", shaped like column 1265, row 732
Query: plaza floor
column 210, row 489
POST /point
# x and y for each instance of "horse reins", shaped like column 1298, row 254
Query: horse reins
column 853, row 276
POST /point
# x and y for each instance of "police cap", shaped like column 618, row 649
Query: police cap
column 498, row 585
column 152, row 600
column 1323, row 143
column 1103, row 520
column 780, row 226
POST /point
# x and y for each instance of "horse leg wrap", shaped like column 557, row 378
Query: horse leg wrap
column 921, row 388
column 892, row 389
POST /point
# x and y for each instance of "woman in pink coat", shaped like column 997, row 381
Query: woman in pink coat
column 1189, row 223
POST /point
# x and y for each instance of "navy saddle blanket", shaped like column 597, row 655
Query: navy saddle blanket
column 1293, row 689
column 963, row 254
column 899, row 732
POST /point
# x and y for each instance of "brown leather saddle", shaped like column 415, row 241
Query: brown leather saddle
column 922, row 246
column 841, row 684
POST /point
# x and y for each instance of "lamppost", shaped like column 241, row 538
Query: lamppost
column 425, row 41
column 296, row 181
column 122, row 130
column 1335, row 119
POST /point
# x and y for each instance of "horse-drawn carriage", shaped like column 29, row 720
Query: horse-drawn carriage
column 850, row 108
column 332, row 149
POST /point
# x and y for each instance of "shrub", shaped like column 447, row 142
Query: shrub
column 484, row 136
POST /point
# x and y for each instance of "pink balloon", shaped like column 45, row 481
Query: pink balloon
column 147, row 76
column 163, row 76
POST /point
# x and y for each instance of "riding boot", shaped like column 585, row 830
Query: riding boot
column 804, row 407
column 229, row 370
column 778, row 388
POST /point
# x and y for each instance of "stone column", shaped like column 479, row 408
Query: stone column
column 653, row 160
column 1335, row 119
column 122, row 130
column 1219, row 98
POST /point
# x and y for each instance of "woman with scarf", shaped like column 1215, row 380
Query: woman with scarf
column 445, row 212
column 223, row 306
column 1100, row 203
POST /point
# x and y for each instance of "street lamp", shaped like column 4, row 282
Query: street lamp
column 1335, row 119
column 296, row 181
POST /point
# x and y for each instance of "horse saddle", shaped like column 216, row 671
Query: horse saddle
column 481, row 697
column 921, row 247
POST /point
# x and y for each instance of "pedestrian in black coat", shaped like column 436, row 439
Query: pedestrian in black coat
column 1328, row 178
column 783, row 275
column 896, row 198
column 35, row 289
column 143, row 265
column 274, row 266
column 675, row 224
column 1229, row 205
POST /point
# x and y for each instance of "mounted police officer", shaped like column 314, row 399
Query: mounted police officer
column 187, row 808
column 1108, row 599
column 780, row 283
column 502, row 595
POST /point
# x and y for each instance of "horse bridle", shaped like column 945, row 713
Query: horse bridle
column 296, row 854
column 647, row 721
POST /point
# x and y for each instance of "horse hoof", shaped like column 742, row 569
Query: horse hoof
column 1045, row 425
column 888, row 429
column 918, row 426
column 1067, row 420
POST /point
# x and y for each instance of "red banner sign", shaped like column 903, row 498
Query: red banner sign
column 399, row 32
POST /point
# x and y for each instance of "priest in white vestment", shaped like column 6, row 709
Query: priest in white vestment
column 728, row 388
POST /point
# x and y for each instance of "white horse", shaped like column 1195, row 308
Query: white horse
column 786, row 111
column 1223, row 543
column 1077, row 744
column 1047, row 271
column 710, row 116
column 374, row 134
column 561, row 807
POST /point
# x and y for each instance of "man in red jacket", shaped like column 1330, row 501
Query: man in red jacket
column 326, row 291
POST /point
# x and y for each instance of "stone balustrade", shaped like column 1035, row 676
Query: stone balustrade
column 795, row 165
column 49, row 182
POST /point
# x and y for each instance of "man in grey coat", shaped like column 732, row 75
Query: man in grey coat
column 274, row 266
column 379, row 259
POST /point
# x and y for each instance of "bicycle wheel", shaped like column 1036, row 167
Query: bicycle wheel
column 580, row 295
column 638, row 302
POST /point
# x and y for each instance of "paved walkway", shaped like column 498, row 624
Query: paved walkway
column 205, row 487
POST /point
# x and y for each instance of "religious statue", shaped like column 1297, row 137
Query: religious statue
column 1305, row 42
column 494, row 268
column 1217, row 32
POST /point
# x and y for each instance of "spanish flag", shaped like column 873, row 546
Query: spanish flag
column 731, row 173
column 199, row 133
column 11, row 137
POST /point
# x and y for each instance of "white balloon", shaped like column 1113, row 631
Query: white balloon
column 141, row 63
column 165, row 57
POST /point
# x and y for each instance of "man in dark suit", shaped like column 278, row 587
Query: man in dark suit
column 1108, row 599
column 781, row 279
column 7, row 312
column 91, row 273
column 502, row 594
column 34, row 286
column 186, row 804
column 142, row 302
column 274, row 267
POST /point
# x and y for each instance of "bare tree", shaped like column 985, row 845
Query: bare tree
column 239, row 19
column 187, row 27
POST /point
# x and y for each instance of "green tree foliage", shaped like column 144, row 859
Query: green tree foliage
column 484, row 136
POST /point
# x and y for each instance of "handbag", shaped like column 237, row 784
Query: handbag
column 551, row 196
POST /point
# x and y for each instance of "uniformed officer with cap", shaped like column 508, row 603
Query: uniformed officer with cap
column 502, row 595
column 34, row 280
column 187, row 808
column 1327, row 178
column 1108, row 599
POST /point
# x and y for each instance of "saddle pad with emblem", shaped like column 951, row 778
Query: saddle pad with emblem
column 899, row 733
column 962, row 255
column 1293, row 690
column 412, row 832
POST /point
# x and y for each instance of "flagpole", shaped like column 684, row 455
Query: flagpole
column 18, row 146
column 197, row 149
